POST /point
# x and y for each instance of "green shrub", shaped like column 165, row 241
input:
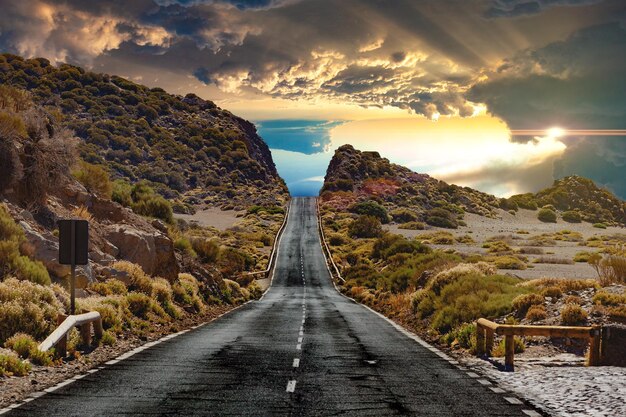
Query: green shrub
column 371, row 208
column 546, row 215
column 186, row 291
column 572, row 216
column 121, row 193
column 12, row 261
column 599, row 225
column 441, row 217
column 412, row 226
column 497, row 247
column 183, row 244
column 233, row 261
column 108, row 338
column 154, row 206
column 403, row 215
column 465, row 300
column 582, row 256
column 27, row 348
column 112, row 315
column 608, row 299
column 28, row 308
column 21, row 343
column 552, row 291
column 509, row 262
column 139, row 280
column 95, row 178
column 208, row 250
column 11, row 365
column 572, row 315
column 140, row 305
column 365, row 227
column 390, row 244
column 464, row 336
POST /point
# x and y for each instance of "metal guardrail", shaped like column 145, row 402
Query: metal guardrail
column 84, row 321
column 324, row 243
column 272, row 259
column 486, row 329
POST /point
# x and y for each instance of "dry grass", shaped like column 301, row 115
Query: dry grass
column 536, row 313
column 82, row 212
column 553, row 260
column 573, row 314
column 611, row 269
column 529, row 250
column 522, row 303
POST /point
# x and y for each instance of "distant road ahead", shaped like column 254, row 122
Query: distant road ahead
column 303, row 350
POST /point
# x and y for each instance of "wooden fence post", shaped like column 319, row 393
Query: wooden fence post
column 489, row 342
column 509, row 349
column 85, row 333
column 480, row 340
column 594, row 348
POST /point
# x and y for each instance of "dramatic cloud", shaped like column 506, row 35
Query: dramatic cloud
column 575, row 84
column 514, row 8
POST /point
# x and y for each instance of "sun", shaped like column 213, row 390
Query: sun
column 555, row 132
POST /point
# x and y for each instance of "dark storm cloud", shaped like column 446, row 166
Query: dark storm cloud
column 575, row 84
column 514, row 8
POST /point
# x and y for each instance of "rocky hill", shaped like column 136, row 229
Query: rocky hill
column 579, row 195
column 354, row 178
column 187, row 148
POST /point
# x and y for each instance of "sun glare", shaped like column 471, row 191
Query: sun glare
column 555, row 132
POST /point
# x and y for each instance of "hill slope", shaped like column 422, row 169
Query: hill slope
column 186, row 147
column 354, row 176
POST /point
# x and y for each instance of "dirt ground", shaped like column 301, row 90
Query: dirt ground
column 213, row 217
column 481, row 228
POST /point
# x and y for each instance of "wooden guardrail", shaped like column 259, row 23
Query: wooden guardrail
column 486, row 329
column 270, row 262
column 84, row 322
column 324, row 243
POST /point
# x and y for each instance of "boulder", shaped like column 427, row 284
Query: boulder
column 153, row 251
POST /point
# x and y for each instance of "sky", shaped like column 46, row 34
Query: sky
column 501, row 95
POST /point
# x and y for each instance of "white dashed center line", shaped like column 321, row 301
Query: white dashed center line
column 296, row 362
column 291, row 385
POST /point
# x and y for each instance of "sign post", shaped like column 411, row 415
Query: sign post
column 73, row 250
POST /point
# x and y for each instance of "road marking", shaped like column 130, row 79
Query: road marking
column 299, row 346
column 301, row 328
column 483, row 382
column 473, row 375
column 296, row 362
column 531, row 413
column 291, row 385
column 513, row 400
column 300, row 340
column 301, row 333
column 497, row 390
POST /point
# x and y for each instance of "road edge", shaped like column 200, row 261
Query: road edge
column 483, row 379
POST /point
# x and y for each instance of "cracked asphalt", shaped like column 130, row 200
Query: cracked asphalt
column 302, row 350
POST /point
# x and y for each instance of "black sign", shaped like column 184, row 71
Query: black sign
column 73, row 242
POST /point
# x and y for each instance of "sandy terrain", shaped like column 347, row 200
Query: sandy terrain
column 213, row 217
column 481, row 228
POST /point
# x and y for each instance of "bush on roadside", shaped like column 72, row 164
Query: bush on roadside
column 27, row 348
column 11, row 365
column 441, row 217
column 28, row 308
column 509, row 262
column 365, row 227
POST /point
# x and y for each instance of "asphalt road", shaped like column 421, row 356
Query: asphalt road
column 302, row 350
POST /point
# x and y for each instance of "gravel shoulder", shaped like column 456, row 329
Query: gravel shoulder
column 213, row 217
